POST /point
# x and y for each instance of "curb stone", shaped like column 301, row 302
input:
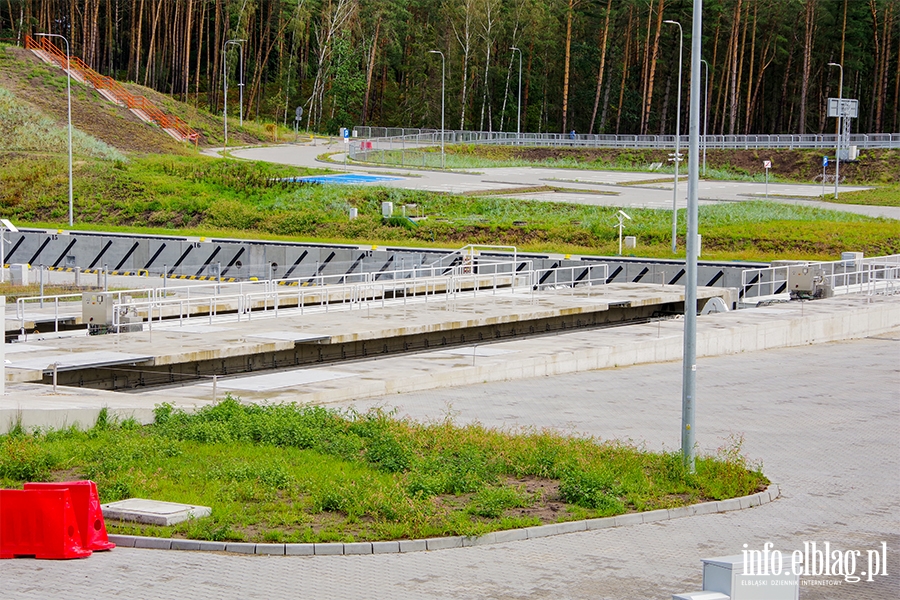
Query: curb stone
column 770, row 494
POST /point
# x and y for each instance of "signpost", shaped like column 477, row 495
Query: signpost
column 824, row 164
column 768, row 165
column 843, row 109
column 345, row 132
column 298, row 116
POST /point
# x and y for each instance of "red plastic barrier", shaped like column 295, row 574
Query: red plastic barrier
column 39, row 523
column 87, row 510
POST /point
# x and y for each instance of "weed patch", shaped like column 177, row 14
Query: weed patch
column 289, row 473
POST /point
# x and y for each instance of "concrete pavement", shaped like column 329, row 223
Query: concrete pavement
column 822, row 419
column 602, row 188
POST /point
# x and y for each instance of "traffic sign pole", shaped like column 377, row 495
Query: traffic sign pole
column 824, row 164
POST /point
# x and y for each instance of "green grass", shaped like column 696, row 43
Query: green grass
column 884, row 195
column 205, row 196
column 23, row 129
column 283, row 473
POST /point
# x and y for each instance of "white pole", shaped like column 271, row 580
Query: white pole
column 225, row 92
column 689, row 364
column 837, row 154
column 519, row 105
column 241, row 84
column 705, row 111
column 443, row 73
column 677, row 139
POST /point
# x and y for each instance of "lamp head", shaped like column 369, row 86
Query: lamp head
column 672, row 22
column 624, row 214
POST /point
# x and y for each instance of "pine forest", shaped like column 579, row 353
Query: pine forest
column 593, row 66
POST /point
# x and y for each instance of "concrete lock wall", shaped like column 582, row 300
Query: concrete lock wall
column 244, row 259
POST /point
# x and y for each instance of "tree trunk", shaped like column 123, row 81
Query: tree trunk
column 750, row 72
column 808, row 31
column 734, row 68
column 370, row 70
column 740, row 70
column 625, row 57
column 565, row 106
column 665, row 107
column 653, row 58
column 602, row 65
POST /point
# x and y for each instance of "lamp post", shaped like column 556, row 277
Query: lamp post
column 677, row 136
column 69, row 96
column 519, row 105
column 443, row 73
column 705, row 110
column 237, row 42
column 689, row 358
column 837, row 154
column 241, row 84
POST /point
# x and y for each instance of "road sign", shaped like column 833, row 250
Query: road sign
column 345, row 132
column 298, row 116
column 843, row 107
column 767, row 164
column 824, row 161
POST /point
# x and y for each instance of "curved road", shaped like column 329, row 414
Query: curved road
column 643, row 190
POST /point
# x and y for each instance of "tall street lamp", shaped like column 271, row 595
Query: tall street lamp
column 677, row 136
column 705, row 110
column 519, row 110
column 241, row 84
column 443, row 73
column 689, row 357
column 69, row 95
column 837, row 154
column 237, row 42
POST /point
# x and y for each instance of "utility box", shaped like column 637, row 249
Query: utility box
column 729, row 575
column 19, row 274
column 97, row 312
column 387, row 209
column 808, row 283
column 630, row 242
column 851, row 259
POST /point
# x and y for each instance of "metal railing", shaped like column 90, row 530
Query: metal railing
column 855, row 276
column 111, row 88
column 420, row 284
column 417, row 147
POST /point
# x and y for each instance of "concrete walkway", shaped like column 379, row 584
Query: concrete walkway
column 601, row 188
column 824, row 421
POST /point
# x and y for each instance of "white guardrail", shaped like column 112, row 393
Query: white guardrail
column 879, row 274
column 377, row 139
column 419, row 284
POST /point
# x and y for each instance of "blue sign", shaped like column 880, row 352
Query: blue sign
column 824, row 161
column 346, row 133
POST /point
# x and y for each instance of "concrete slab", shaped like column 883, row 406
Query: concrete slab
column 290, row 336
column 153, row 512
column 281, row 379
column 476, row 351
column 17, row 348
column 77, row 360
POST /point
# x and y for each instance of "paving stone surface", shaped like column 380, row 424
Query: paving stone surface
column 823, row 420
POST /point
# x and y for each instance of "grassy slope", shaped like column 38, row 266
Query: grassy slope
column 124, row 183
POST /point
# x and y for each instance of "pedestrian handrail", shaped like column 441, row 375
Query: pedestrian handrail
column 423, row 283
column 379, row 139
column 112, row 87
column 863, row 275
